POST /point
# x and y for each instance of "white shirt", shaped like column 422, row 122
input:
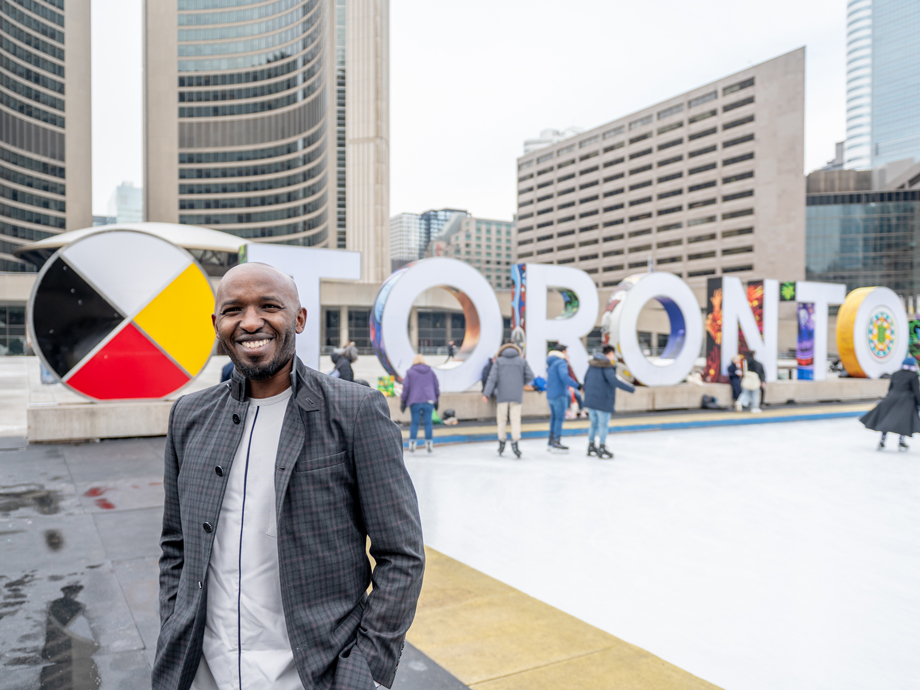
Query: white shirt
column 246, row 644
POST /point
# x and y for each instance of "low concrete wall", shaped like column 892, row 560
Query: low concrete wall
column 58, row 422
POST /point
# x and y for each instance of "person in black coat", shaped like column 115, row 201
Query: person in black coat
column 601, row 385
column 897, row 413
column 735, row 372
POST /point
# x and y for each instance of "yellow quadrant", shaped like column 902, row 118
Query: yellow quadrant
column 179, row 319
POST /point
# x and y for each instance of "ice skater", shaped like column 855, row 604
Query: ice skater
column 897, row 413
column 601, row 385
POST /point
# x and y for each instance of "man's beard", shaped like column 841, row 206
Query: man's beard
column 265, row 370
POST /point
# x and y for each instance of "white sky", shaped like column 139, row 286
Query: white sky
column 467, row 87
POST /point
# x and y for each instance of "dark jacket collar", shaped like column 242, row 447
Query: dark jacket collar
column 306, row 392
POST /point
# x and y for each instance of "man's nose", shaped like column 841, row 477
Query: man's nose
column 251, row 320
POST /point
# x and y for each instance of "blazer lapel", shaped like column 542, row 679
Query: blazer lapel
column 292, row 443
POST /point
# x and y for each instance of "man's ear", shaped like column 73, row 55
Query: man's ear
column 301, row 320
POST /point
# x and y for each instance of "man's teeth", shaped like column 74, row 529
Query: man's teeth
column 253, row 344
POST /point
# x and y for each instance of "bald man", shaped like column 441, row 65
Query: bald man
column 274, row 481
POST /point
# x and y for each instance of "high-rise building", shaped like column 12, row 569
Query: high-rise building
column 45, row 124
column 404, row 238
column 548, row 137
column 271, row 121
column 703, row 184
column 883, row 82
column 126, row 205
column 431, row 223
column 862, row 228
column 483, row 243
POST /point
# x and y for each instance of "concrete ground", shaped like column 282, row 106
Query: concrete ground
column 79, row 531
column 783, row 555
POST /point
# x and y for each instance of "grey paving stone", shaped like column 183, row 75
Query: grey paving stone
column 20, row 678
column 111, row 460
column 54, row 544
column 130, row 533
column 127, row 671
column 139, row 582
column 120, row 494
column 417, row 672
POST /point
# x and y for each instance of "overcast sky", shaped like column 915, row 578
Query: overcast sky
column 469, row 85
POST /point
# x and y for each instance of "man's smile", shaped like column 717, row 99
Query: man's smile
column 255, row 346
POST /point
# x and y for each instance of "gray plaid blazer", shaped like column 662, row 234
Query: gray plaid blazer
column 340, row 478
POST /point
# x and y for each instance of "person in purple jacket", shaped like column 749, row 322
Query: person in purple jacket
column 420, row 393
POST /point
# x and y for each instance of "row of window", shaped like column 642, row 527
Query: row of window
column 236, row 78
column 255, row 185
column 25, row 216
column 38, row 61
column 252, row 91
column 21, row 161
column 648, row 119
column 211, row 4
column 239, row 15
column 26, row 74
column 264, row 43
column 32, row 41
column 253, row 170
column 32, row 199
column 317, row 223
column 31, row 23
column 693, row 239
column 661, row 261
column 223, row 33
column 42, row 11
column 252, row 201
column 30, row 234
column 255, row 107
column 261, row 217
column 34, row 182
column 648, row 199
column 201, row 157
column 247, row 61
column 620, row 221
column 17, row 87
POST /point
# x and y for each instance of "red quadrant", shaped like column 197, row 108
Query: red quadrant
column 128, row 367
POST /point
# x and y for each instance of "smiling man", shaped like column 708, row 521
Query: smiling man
column 274, row 482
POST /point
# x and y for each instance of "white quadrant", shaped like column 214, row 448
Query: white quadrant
column 130, row 268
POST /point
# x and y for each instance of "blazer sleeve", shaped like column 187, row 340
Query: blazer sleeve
column 389, row 509
column 492, row 381
column 171, row 540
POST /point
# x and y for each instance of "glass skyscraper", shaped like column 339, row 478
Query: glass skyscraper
column 883, row 82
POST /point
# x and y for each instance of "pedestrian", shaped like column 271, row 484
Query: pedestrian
column 484, row 376
column 735, row 372
column 226, row 372
column 601, row 385
column 343, row 361
column 578, row 399
column 753, row 385
column 420, row 394
column 558, row 383
column 897, row 413
column 450, row 351
column 275, row 483
column 507, row 379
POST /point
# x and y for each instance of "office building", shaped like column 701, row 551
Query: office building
column 862, row 228
column 548, row 137
column 126, row 205
column 703, row 184
column 271, row 122
column 45, row 126
column 431, row 223
column 484, row 243
column 404, row 239
column 883, row 82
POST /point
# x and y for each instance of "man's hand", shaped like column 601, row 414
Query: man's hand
column 485, row 399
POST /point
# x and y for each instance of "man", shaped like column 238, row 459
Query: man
column 601, row 385
column 558, row 383
column 752, row 393
column 507, row 379
column 274, row 482
column 450, row 351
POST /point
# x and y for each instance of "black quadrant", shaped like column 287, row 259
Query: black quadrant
column 70, row 317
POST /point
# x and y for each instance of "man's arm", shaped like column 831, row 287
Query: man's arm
column 390, row 512
column 171, row 541
column 491, row 382
column 528, row 374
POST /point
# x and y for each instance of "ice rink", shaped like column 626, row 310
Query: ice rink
column 758, row 557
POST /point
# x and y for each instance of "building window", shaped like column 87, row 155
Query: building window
column 702, row 202
column 642, row 200
column 737, row 250
column 704, row 272
column 639, row 154
column 565, row 164
column 588, row 156
column 705, row 98
column 641, row 122
column 738, row 159
column 669, row 144
column 614, row 132
column 590, row 140
column 740, row 176
column 701, row 255
column 739, row 140
column 545, row 157
column 613, row 252
column 673, row 209
column 701, row 238
column 703, row 116
column 614, row 267
column 525, row 165
column 615, row 207
column 359, row 330
column 614, row 147
column 640, row 233
column 738, row 104
column 673, row 110
column 587, row 170
column 673, row 192
column 700, row 152
column 700, row 221
column 671, row 127
column 738, row 195
column 702, row 185
column 638, row 264
column 672, row 176
column 641, row 137
column 669, row 243
column 738, row 214
column 640, row 248
column 565, row 149
column 747, row 83
column 670, row 226
column 737, row 123
column 670, row 260
column 738, row 269
column 668, row 161
column 736, row 233
column 640, row 185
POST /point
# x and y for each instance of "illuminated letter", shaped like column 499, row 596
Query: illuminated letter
column 736, row 312
column 567, row 329
column 390, row 317
column 821, row 295
column 872, row 332
column 684, row 341
column 307, row 266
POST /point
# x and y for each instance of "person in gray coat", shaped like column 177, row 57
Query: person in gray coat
column 509, row 375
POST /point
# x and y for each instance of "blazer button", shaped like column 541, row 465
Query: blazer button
column 219, row 470
column 207, row 527
column 236, row 418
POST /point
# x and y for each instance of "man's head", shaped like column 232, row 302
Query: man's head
column 610, row 352
column 257, row 315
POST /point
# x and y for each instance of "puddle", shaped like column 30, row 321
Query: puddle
column 13, row 594
column 54, row 540
column 69, row 646
column 35, row 496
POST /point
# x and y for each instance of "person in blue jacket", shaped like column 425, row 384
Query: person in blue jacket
column 558, row 383
column 601, row 385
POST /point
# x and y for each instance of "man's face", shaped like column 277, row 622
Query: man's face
column 257, row 316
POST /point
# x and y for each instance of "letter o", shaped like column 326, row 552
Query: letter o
column 684, row 340
column 393, row 306
column 873, row 332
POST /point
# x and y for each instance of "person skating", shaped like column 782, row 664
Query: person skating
column 450, row 351
column 420, row 393
column 507, row 378
column 601, row 385
column 558, row 383
column 752, row 395
column 897, row 413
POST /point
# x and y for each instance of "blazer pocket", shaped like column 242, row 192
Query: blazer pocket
column 311, row 464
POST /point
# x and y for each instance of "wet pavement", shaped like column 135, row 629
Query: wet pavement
column 79, row 532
